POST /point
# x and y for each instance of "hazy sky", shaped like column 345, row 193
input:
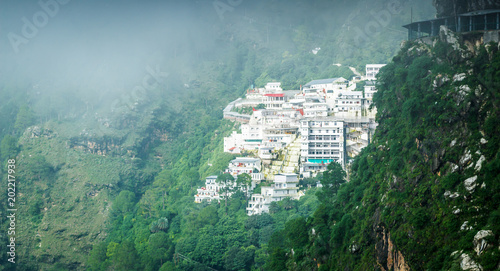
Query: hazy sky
column 108, row 45
column 105, row 44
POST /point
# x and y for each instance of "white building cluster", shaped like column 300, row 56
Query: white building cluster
column 326, row 121
column 213, row 190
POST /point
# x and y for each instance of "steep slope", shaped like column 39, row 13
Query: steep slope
column 436, row 157
column 82, row 156
column 431, row 172
column 425, row 195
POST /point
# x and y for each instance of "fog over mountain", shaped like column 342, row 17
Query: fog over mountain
column 113, row 114
column 101, row 46
column 105, row 46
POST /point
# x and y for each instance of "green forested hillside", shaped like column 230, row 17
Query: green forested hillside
column 106, row 179
column 425, row 194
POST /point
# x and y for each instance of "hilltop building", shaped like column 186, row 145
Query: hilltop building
column 324, row 122
column 372, row 71
column 315, row 109
column 302, row 131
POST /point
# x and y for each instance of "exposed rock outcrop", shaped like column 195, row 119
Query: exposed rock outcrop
column 99, row 146
column 446, row 8
column 388, row 257
column 480, row 243
column 470, row 183
column 466, row 263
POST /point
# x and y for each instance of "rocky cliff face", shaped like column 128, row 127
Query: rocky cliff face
column 388, row 257
column 452, row 7
column 447, row 194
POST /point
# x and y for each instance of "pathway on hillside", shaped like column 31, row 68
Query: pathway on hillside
column 289, row 164
column 352, row 69
column 355, row 71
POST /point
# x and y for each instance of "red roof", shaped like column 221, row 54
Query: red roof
column 232, row 148
column 301, row 111
column 274, row 95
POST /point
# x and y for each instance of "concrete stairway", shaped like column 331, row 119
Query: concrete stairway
column 289, row 164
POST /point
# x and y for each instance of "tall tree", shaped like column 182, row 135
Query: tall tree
column 97, row 257
column 296, row 233
column 245, row 180
column 332, row 178
column 124, row 202
column 159, row 249
column 225, row 182
column 126, row 257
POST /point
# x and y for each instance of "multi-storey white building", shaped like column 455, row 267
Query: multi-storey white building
column 349, row 101
column 284, row 186
column 308, row 169
column 369, row 90
column 248, row 165
column 209, row 192
column 272, row 87
column 315, row 109
column 358, row 133
column 233, row 143
column 269, row 88
column 326, row 90
column 272, row 95
column 279, row 137
column 372, row 70
column 322, row 140
column 267, row 153
column 274, row 100
column 250, row 139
